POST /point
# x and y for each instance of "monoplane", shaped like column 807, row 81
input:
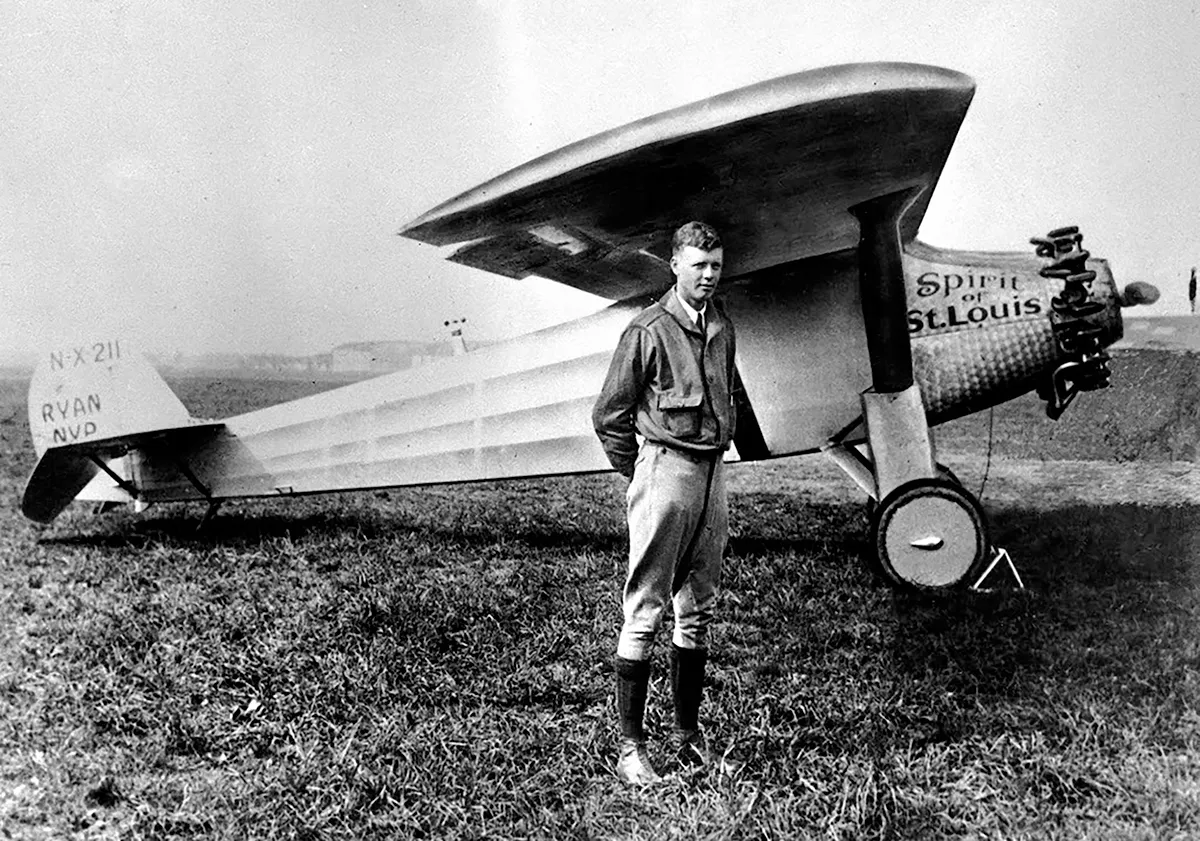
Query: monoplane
column 854, row 337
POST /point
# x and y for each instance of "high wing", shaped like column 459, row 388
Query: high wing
column 773, row 166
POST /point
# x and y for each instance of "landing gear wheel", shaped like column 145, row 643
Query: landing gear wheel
column 928, row 535
column 943, row 472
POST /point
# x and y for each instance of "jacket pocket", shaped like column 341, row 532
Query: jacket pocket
column 681, row 413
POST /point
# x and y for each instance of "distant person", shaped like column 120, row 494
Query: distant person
column 670, row 382
column 1192, row 291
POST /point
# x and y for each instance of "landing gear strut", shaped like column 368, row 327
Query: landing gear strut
column 928, row 532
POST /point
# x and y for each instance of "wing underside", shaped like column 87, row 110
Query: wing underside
column 774, row 166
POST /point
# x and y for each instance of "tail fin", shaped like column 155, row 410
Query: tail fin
column 89, row 404
column 98, row 391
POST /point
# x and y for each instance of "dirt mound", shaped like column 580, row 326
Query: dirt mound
column 1150, row 412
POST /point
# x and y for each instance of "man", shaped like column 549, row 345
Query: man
column 670, row 382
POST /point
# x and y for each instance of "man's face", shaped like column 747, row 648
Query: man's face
column 697, row 273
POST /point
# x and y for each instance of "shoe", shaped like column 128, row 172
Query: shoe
column 731, row 761
column 691, row 749
column 633, row 764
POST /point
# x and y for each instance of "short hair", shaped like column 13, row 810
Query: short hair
column 697, row 235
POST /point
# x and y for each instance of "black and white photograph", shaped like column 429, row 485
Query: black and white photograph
column 513, row 419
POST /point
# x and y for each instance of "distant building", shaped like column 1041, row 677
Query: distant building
column 277, row 363
column 386, row 356
column 354, row 359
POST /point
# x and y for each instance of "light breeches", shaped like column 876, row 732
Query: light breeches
column 678, row 524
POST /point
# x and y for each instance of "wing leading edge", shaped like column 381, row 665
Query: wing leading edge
column 774, row 166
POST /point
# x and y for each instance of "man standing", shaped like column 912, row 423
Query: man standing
column 670, row 382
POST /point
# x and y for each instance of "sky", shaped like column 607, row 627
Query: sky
column 220, row 176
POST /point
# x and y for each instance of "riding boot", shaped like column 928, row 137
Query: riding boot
column 633, row 686
column 687, row 686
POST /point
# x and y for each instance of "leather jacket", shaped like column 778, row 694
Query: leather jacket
column 669, row 385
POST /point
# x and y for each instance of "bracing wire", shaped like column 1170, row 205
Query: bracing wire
column 987, row 467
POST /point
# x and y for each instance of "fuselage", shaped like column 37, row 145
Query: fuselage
column 978, row 323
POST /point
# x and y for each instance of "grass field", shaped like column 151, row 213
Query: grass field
column 436, row 663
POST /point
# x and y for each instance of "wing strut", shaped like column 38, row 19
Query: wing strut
column 884, row 300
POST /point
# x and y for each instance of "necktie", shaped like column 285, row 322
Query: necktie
column 702, row 323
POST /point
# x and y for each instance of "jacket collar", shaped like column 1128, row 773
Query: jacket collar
column 670, row 302
column 692, row 312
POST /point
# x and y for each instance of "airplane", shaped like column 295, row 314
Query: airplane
column 854, row 337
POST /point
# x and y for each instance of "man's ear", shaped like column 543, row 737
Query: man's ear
column 674, row 265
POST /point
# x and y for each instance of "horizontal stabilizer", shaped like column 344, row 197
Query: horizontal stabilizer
column 89, row 405
column 64, row 471
column 56, row 480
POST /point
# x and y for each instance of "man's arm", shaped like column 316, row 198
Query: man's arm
column 615, row 410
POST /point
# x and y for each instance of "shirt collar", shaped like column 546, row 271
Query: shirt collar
column 693, row 313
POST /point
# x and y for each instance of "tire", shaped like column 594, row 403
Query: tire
column 943, row 472
column 928, row 535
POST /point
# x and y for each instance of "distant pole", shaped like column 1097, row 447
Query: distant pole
column 456, row 335
column 1192, row 290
